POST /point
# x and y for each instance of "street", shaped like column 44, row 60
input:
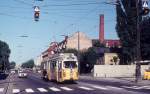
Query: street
column 33, row 84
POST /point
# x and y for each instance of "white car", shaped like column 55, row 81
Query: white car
column 22, row 74
column 39, row 71
column 12, row 72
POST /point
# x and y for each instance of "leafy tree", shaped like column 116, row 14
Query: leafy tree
column 4, row 55
column 126, row 28
column 28, row 64
column 96, row 43
column 87, row 60
column 145, row 37
column 12, row 65
column 115, row 59
column 71, row 51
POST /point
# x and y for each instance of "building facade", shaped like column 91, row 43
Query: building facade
column 79, row 41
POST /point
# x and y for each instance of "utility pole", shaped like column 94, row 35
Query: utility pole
column 138, row 53
column 78, row 51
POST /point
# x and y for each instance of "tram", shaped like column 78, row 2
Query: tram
column 61, row 67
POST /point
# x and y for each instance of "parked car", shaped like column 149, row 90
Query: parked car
column 12, row 71
column 22, row 74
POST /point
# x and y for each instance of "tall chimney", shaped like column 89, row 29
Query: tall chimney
column 101, row 29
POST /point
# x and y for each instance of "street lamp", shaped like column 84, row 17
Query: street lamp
column 138, row 54
column 145, row 11
column 78, row 51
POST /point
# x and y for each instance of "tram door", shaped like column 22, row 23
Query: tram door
column 53, row 69
column 59, row 71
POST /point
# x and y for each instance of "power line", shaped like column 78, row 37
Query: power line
column 75, row 4
column 82, row 18
column 4, row 14
column 14, row 7
column 22, row 2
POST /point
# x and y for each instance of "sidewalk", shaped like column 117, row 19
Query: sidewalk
column 128, row 80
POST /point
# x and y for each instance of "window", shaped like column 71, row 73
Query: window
column 70, row 64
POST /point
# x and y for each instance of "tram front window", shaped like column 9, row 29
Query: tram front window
column 70, row 64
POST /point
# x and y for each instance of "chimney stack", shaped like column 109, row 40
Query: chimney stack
column 101, row 29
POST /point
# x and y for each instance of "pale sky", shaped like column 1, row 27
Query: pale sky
column 57, row 17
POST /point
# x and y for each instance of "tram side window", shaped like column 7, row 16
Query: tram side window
column 70, row 64
column 53, row 64
column 44, row 66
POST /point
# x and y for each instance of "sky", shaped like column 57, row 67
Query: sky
column 57, row 18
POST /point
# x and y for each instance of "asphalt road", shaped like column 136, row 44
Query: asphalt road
column 33, row 84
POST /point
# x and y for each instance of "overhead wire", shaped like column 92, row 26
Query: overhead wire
column 23, row 2
column 10, row 15
column 81, row 18
column 60, row 12
column 73, row 4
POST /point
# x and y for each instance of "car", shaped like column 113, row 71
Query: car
column 39, row 71
column 22, row 74
column 12, row 71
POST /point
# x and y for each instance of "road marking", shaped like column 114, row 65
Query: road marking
column 100, row 87
column 143, row 87
column 86, row 88
column 134, row 86
column 29, row 90
column 127, row 87
column 15, row 90
column 137, row 87
column 54, row 89
column 42, row 90
column 112, row 87
column 147, row 87
column 66, row 88
column 1, row 89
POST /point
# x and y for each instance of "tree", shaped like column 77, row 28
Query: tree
column 96, row 43
column 28, row 64
column 71, row 51
column 88, row 60
column 126, row 28
column 145, row 37
column 12, row 65
column 4, row 55
column 115, row 59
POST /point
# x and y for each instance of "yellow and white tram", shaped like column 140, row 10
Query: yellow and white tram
column 61, row 67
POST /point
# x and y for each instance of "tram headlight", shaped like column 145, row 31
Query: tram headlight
column 77, row 74
column 64, row 73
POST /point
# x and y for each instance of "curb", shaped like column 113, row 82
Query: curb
column 113, row 79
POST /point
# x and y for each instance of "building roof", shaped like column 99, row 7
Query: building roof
column 112, row 43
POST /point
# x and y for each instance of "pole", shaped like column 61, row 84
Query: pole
column 138, row 65
column 79, row 51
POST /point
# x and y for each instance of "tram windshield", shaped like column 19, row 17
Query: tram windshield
column 70, row 64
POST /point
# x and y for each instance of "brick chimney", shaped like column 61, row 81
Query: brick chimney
column 101, row 29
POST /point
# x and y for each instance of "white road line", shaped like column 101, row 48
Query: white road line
column 54, row 89
column 29, row 90
column 42, row 90
column 112, row 87
column 134, row 86
column 145, row 87
column 127, row 87
column 100, row 87
column 148, row 88
column 66, row 88
column 138, row 88
column 86, row 88
column 1, row 89
column 15, row 91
